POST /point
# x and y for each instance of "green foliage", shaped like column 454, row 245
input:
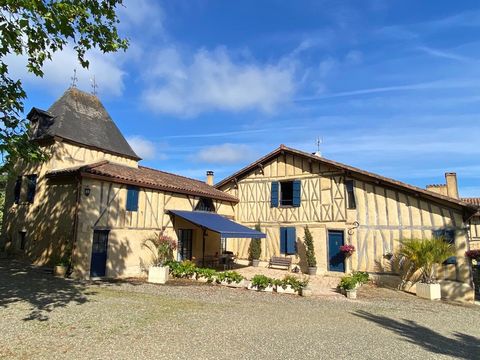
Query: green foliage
column 255, row 249
column 293, row 281
column 38, row 29
column 184, row 269
column 161, row 246
column 206, row 273
column 308, row 240
column 229, row 277
column 423, row 255
column 360, row 276
column 261, row 282
column 348, row 283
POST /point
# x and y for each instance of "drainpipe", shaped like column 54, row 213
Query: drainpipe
column 203, row 247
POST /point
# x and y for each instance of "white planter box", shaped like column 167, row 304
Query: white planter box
column 428, row 291
column 254, row 288
column 287, row 290
column 233, row 284
column 158, row 274
column 60, row 270
column 351, row 294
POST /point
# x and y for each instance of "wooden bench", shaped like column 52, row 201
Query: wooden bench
column 280, row 262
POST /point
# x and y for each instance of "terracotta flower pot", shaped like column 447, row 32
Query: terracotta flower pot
column 255, row 262
column 312, row 270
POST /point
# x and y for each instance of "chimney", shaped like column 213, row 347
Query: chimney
column 452, row 186
column 210, row 177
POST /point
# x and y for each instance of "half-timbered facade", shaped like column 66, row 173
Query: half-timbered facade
column 288, row 189
column 93, row 202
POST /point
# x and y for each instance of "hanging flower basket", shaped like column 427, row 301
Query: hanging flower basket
column 347, row 250
column 473, row 254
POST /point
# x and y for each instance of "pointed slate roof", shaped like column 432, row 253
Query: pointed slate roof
column 81, row 118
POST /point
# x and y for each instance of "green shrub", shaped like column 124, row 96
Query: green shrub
column 205, row 273
column 261, row 282
column 255, row 248
column 348, row 282
column 293, row 281
column 308, row 240
column 182, row 269
column 229, row 277
column 361, row 276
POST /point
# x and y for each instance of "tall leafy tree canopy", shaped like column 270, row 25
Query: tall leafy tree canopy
column 37, row 29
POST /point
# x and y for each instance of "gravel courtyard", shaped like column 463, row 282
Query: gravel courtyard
column 47, row 318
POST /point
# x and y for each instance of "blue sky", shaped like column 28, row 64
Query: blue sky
column 392, row 87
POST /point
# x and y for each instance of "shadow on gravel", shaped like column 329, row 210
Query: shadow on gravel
column 461, row 346
column 45, row 293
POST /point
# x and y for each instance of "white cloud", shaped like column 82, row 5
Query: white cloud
column 135, row 14
column 144, row 148
column 444, row 54
column 212, row 80
column 58, row 72
column 225, row 154
column 354, row 57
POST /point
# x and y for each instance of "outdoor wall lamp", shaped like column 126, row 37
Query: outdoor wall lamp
column 86, row 191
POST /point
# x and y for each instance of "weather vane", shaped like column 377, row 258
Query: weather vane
column 94, row 86
column 319, row 142
column 74, row 79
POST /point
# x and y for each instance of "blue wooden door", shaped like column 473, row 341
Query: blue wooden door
column 99, row 253
column 336, row 259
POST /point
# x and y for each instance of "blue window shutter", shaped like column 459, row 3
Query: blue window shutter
column 132, row 198
column 291, row 240
column 297, row 193
column 283, row 240
column 274, row 196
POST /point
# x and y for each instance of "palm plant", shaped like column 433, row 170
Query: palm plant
column 161, row 246
column 423, row 255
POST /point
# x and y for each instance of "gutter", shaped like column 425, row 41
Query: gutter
column 75, row 220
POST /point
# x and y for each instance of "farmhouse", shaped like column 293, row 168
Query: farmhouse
column 93, row 202
column 288, row 189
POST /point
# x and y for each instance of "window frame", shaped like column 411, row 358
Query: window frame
column 280, row 195
column 17, row 190
column 350, row 192
column 31, row 190
column 135, row 191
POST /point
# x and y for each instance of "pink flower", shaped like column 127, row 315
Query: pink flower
column 347, row 249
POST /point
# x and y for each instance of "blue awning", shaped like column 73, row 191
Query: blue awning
column 219, row 224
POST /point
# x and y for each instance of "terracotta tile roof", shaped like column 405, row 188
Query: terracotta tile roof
column 473, row 200
column 147, row 178
column 349, row 170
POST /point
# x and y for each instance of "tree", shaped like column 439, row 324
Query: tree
column 308, row 239
column 38, row 29
column 255, row 249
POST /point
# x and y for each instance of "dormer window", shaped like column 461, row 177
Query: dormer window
column 205, row 204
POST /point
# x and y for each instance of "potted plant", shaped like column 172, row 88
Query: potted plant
column 161, row 246
column 423, row 255
column 474, row 256
column 61, row 267
column 310, row 252
column 349, row 284
column 261, row 283
column 255, row 249
column 347, row 250
column 230, row 279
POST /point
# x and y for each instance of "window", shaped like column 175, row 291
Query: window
column 132, row 198
column 286, row 193
column 288, row 241
column 351, row 203
column 448, row 235
column 31, row 187
column 17, row 189
column 23, row 239
column 205, row 204
column 185, row 244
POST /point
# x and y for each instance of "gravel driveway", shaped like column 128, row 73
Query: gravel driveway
column 44, row 317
